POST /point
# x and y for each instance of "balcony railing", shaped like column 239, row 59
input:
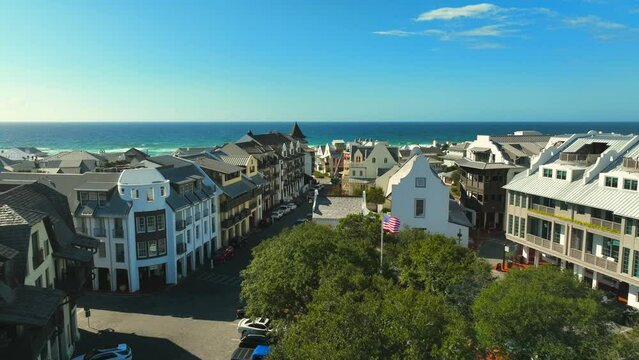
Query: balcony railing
column 577, row 158
column 543, row 208
column 631, row 164
column 180, row 248
column 180, row 225
column 538, row 240
column 575, row 253
column 118, row 233
column 558, row 247
column 600, row 262
column 38, row 258
column 99, row 232
column 616, row 227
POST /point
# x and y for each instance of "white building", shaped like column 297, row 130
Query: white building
column 578, row 207
column 154, row 226
column 420, row 200
column 22, row 153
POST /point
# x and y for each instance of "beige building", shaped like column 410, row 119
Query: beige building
column 578, row 207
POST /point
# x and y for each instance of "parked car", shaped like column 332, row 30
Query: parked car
column 285, row 209
column 257, row 326
column 247, row 353
column 291, row 206
column 277, row 214
column 121, row 352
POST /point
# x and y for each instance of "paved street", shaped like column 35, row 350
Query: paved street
column 193, row 320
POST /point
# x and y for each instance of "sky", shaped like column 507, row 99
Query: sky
column 559, row 60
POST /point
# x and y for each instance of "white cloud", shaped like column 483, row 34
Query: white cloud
column 486, row 46
column 592, row 21
column 468, row 11
column 394, row 33
column 495, row 30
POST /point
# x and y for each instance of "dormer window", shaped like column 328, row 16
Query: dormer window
column 629, row 184
column 162, row 191
column 149, row 195
column 135, row 193
column 611, row 182
column 561, row 174
column 547, row 173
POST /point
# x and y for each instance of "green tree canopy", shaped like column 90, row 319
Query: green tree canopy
column 361, row 228
column 542, row 313
column 359, row 316
column 285, row 270
column 435, row 263
column 375, row 195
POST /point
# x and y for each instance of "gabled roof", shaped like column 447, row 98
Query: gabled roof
column 216, row 165
column 296, row 132
column 35, row 202
column 31, row 306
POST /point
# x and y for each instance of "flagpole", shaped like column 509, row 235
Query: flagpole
column 381, row 252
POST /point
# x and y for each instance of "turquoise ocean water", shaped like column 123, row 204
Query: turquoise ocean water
column 164, row 137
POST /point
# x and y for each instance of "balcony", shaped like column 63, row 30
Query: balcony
column 600, row 262
column 577, row 254
column 543, row 208
column 631, row 164
column 180, row 225
column 99, row 232
column 607, row 225
column 538, row 240
column 578, row 158
column 118, row 233
column 180, row 248
column 38, row 258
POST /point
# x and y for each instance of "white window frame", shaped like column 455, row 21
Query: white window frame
column 417, row 182
column 150, row 224
column 140, row 226
column 142, row 249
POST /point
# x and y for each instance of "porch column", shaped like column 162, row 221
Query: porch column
column 537, row 257
column 579, row 271
column 562, row 264
column 525, row 254
column 595, row 276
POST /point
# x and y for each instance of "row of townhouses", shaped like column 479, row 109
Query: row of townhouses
column 166, row 216
column 44, row 263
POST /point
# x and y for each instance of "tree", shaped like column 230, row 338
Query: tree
column 358, row 227
column 280, row 280
column 624, row 346
column 435, row 263
column 541, row 313
column 375, row 195
column 286, row 270
column 357, row 316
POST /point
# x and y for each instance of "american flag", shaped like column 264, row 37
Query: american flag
column 391, row 223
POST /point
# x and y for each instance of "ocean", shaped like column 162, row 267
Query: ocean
column 159, row 138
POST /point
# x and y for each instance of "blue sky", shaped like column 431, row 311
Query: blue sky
column 560, row 60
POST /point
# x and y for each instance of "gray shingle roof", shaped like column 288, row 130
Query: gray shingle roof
column 456, row 214
column 31, row 306
column 7, row 252
column 334, row 207
column 216, row 165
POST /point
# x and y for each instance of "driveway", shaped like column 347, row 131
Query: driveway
column 192, row 320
